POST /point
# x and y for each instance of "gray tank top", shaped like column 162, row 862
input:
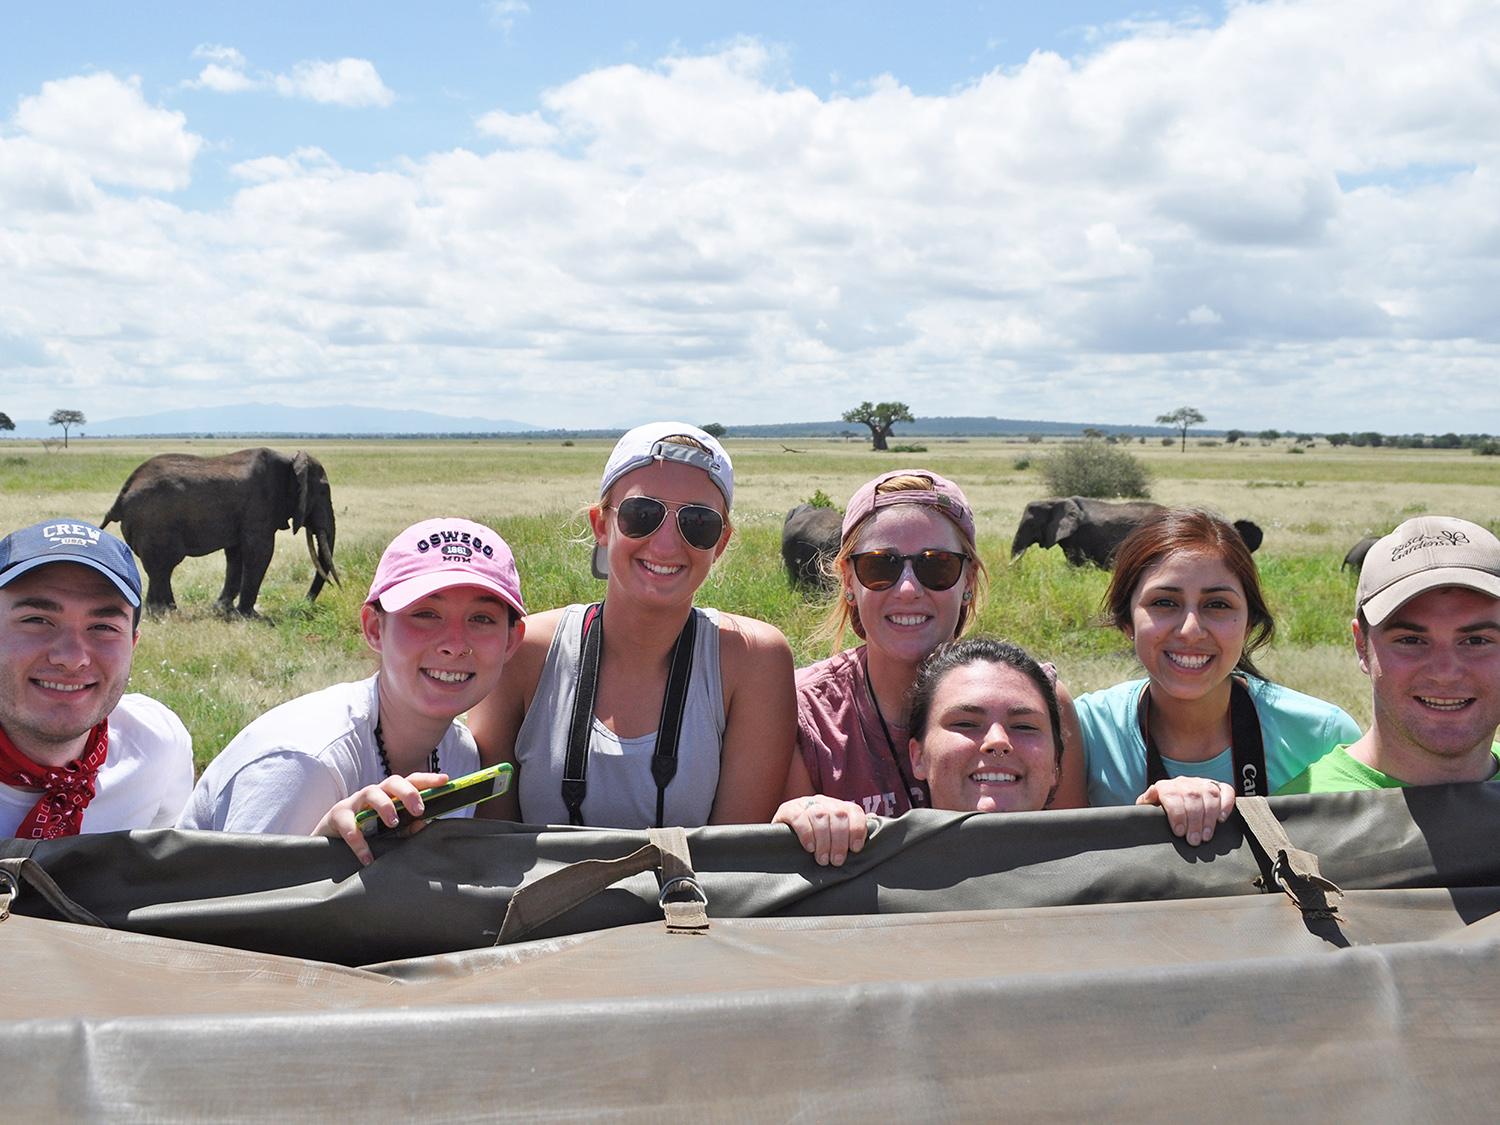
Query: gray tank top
column 621, row 790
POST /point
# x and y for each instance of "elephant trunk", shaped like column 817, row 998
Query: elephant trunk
column 320, row 549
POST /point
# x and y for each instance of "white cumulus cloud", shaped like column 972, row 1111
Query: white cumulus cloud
column 346, row 82
column 1291, row 211
column 354, row 83
column 524, row 130
column 104, row 126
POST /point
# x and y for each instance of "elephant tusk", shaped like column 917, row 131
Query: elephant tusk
column 328, row 574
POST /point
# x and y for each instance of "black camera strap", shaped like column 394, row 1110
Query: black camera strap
column 1250, row 779
column 668, row 728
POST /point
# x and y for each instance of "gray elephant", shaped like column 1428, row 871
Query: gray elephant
column 1091, row 531
column 809, row 541
column 176, row 504
column 1356, row 556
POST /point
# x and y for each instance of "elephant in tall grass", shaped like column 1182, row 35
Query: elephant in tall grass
column 1091, row 531
column 1356, row 556
column 176, row 504
column 809, row 540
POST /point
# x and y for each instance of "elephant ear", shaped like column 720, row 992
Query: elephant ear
column 1065, row 521
column 300, row 490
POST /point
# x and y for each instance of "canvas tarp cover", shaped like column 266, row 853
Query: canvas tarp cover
column 960, row 967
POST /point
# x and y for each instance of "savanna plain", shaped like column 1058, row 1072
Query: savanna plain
column 219, row 674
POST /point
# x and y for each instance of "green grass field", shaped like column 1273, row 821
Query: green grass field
column 220, row 674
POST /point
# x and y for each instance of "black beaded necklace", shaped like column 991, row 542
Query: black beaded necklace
column 911, row 788
column 385, row 761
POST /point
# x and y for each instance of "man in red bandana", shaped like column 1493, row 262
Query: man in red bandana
column 76, row 753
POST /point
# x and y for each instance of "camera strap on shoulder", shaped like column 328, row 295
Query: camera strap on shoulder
column 1250, row 778
column 668, row 728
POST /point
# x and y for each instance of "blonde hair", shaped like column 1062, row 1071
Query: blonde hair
column 843, row 614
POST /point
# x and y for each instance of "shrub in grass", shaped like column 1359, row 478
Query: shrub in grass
column 1021, row 464
column 908, row 449
column 1092, row 468
column 820, row 499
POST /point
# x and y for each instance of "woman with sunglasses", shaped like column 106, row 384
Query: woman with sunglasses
column 910, row 579
column 642, row 710
column 1204, row 724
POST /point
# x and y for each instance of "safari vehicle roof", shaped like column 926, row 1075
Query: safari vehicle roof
column 1054, row 964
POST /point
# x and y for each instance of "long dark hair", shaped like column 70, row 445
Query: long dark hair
column 979, row 650
column 1189, row 531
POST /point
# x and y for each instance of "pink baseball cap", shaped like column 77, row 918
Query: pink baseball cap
column 944, row 495
column 439, row 554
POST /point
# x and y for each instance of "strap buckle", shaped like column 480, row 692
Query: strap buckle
column 687, row 913
column 10, row 890
column 681, row 884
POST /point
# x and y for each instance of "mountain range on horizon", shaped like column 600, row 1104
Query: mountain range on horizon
column 268, row 419
column 274, row 420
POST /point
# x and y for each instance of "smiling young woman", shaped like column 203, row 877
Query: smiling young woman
column 910, row 579
column 642, row 710
column 1204, row 724
column 444, row 616
column 985, row 729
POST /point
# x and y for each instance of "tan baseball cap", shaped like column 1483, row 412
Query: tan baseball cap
column 1423, row 554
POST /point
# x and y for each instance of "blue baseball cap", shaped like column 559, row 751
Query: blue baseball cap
column 74, row 541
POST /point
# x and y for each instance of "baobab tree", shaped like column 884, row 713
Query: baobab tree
column 880, row 417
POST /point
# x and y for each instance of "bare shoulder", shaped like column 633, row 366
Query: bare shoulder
column 523, row 671
column 540, row 629
column 749, row 638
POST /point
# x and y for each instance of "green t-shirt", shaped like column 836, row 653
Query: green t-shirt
column 1337, row 772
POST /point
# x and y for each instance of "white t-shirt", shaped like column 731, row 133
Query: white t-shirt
column 285, row 770
column 146, row 776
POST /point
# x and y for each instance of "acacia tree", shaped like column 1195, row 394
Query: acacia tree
column 1182, row 418
column 880, row 417
column 66, row 419
column 715, row 429
column 5, row 422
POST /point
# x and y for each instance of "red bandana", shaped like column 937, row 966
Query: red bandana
column 66, row 790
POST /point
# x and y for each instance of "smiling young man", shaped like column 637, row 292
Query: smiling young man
column 1427, row 633
column 444, row 614
column 76, row 753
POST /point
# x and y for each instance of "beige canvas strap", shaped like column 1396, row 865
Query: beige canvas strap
column 1295, row 871
column 683, row 902
column 19, row 871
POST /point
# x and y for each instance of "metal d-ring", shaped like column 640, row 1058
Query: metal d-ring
column 671, row 886
column 10, row 890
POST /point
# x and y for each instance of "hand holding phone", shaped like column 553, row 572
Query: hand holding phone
column 459, row 793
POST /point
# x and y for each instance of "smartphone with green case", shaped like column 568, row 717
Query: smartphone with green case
column 459, row 793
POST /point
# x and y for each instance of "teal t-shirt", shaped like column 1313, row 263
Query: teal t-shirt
column 1296, row 729
column 1337, row 772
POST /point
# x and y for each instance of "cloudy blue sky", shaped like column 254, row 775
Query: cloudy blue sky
column 590, row 214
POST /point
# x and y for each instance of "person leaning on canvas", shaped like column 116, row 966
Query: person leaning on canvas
column 642, row 710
